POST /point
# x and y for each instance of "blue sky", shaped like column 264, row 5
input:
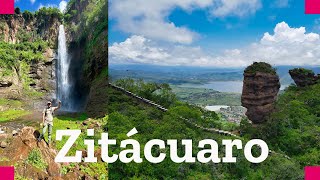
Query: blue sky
column 33, row 5
column 212, row 33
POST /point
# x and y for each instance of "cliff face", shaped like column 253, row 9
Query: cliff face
column 303, row 77
column 259, row 94
column 22, row 33
column 87, row 31
column 13, row 27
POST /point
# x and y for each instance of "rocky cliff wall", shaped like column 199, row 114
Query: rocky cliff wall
column 87, row 29
column 17, row 29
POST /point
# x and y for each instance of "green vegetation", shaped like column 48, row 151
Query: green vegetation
column 302, row 71
column 10, row 103
column 126, row 113
column 45, row 14
column 205, row 97
column 75, row 122
column 89, row 27
column 12, row 114
column 295, row 126
column 15, row 60
column 159, row 93
column 11, row 109
column 35, row 159
column 27, row 15
column 260, row 67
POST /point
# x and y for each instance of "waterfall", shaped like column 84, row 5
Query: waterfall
column 64, row 85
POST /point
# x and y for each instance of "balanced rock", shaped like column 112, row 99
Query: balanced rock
column 303, row 77
column 260, row 89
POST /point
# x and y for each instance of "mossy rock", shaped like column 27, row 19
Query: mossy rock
column 261, row 67
column 302, row 71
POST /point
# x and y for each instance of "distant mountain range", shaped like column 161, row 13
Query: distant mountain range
column 195, row 75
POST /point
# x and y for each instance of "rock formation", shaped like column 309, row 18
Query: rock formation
column 260, row 89
column 44, row 27
column 28, row 27
column 18, row 149
column 303, row 77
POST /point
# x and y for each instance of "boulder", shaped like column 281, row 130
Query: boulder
column 20, row 147
column 3, row 144
column 5, row 83
column 14, row 133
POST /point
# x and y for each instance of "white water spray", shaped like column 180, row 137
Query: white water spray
column 63, row 82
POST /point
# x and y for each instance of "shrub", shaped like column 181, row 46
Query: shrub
column 260, row 67
column 27, row 15
column 302, row 71
column 36, row 160
column 17, row 11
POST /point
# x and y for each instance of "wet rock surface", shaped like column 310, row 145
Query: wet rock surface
column 259, row 93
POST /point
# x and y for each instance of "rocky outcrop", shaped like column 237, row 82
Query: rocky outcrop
column 259, row 93
column 13, row 27
column 26, row 27
column 89, row 47
column 42, row 77
column 43, row 74
column 19, row 149
column 303, row 77
column 10, row 86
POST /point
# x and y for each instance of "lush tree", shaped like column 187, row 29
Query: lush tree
column 17, row 10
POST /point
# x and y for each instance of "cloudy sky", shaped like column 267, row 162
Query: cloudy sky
column 33, row 5
column 217, row 33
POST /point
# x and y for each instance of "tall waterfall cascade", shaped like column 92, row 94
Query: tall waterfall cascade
column 64, row 85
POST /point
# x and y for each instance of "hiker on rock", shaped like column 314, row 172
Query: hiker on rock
column 47, row 120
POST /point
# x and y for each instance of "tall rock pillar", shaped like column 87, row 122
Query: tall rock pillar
column 260, row 89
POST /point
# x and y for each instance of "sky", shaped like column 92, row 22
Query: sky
column 212, row 33
column 33, row 5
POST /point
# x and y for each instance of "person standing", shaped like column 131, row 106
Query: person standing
column 47, row 120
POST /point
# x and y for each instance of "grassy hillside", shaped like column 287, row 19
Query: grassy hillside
column 295, row 126
column 126, row 113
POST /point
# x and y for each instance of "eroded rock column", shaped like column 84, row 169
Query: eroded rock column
column 260, row 90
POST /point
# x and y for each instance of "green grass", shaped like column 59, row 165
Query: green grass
column 75, row 122
column 10, row 103
column 12, row 114
column 36, row 160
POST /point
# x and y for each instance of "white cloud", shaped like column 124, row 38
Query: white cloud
column 236, row 7
column 63, row 6
column 286, row 46
column 32, row 1
column 150, row 18
column 138, row 49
